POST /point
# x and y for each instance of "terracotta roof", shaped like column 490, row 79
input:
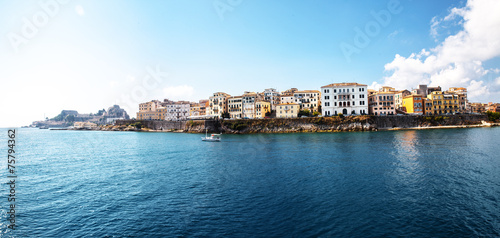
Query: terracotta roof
column 307, row 91
column 343, row 84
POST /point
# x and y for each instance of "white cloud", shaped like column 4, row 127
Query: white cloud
column 457, row 60
column 181, row 92
column 393, row 34
column 434, row 26
column 79, row 10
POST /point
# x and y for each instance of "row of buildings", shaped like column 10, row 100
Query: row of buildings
column 249, row 105
column 330, row 100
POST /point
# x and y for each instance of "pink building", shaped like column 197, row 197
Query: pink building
column 381, row 103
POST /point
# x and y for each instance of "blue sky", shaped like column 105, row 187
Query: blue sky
column 88, row 55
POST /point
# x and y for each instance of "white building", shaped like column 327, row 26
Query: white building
column 307, row 99
column 177, row 111
column 248, row 104
column 345, row 98
column 272, row 96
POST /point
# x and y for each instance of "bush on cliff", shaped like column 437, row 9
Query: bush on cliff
column 305, row 112
column 137, row 125
column 493, row 116
column 235, row 125
column 192, row 123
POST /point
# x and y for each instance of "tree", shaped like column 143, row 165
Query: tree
column 70, row 118
column 315, row 114
column 58, row 118
column 225, row 115
column 304, row 113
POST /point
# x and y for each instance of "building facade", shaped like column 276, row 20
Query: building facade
column 382, row 103
column 198, row 109
column 398, row 98
column 308, row 99
column 178, row 111
column 443, row 103
column 287, row 110
column 235, row 107
column 151, row 111
column 262, row 108
column 218, row 104
column 414, row 104
column 463, row 103
column 272, row 96
column 345, row 98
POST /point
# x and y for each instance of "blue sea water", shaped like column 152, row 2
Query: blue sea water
column 427, row 183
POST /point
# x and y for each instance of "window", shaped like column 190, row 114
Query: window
column 335, row 90
column 353, row 103
column 335, row 103
column 334, row 97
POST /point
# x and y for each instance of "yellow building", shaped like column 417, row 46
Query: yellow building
column 198, row 109
column 287, row 110
column 444, row 103
column 151, row 111
column 398, row 98
column 428, row 106
column 149, row 106
column 261, row 108
column 413, row 104
column 158, row 114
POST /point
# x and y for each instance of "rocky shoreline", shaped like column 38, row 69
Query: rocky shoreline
column 305, row 125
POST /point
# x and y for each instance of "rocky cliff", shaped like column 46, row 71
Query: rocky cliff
column 310, row 124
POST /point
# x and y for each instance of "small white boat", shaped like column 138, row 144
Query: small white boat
column 212, row 138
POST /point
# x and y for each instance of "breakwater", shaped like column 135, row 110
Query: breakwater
column 310, row 124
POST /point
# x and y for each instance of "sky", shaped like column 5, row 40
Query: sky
column 89, row 55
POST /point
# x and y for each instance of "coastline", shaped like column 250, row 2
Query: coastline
column 302, row 125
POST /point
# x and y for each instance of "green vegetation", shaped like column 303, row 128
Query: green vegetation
column 137, row 125
column 70, row 118
column 58, row 117
column 341, row 115
column 315, row 114
column 225, row 115
column 236, row 125
column 493, row 116
column 305, row 112
column 192, row 123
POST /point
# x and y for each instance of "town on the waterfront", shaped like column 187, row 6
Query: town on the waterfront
column 336, row 100
column 344, row 99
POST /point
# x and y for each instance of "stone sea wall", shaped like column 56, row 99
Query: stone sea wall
column 311, row 124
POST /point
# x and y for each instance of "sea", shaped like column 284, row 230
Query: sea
column 407, row 183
